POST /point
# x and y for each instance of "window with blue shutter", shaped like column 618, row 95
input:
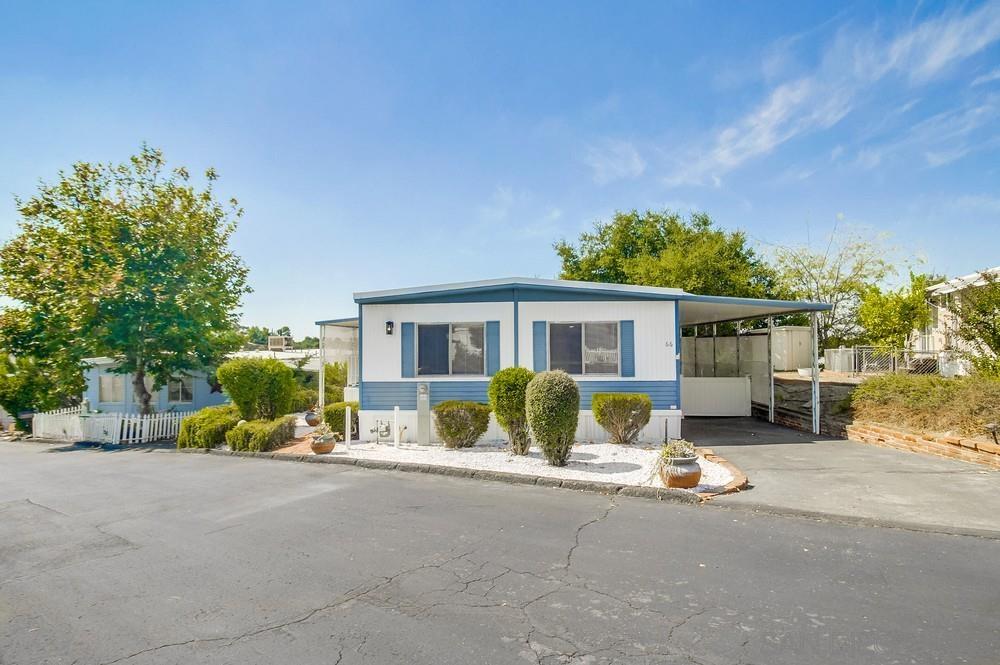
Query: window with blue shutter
column 406, row 339
column 539, row 346
column 627, row 340
column 492, row 347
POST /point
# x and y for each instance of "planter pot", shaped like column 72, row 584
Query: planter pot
column 680, row 472
column 323, row 445
column 312, row 418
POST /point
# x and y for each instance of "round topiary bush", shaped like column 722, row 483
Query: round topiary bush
column 506, row 392
column 460, row 424
column 623, row 415
column 262, row 388
column 552, row 404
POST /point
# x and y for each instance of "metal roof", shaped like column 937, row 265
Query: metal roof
column 959, row 283
column 694, row 309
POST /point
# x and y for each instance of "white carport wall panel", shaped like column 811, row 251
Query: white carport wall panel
column 382, row 353
column 655, row 343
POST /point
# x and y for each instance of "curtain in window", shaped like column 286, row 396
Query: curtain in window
column 600, row 345
column 467, row 348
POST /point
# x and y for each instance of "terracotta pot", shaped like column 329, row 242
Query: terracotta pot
column 322, row 446
column 312, row 418
column 680, row 472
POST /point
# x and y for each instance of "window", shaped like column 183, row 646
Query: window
column 450, row 348
column 180, row 390
column 111, row 388
column 584, row 348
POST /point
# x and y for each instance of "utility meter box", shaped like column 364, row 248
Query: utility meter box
column 423, row 414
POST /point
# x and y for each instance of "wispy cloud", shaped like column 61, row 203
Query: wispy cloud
column 852, row 64
column 988, row 77
column 613, row 160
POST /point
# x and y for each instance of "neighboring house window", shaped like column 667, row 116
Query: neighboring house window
column 180, row 390
column 584, row 348
column 111, row 388
column 451, row 349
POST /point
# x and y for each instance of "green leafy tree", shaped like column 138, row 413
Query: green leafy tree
column 257, row 335
column 307, row 342
column 29, row 385
column 977, row 323
column 129, row 261
column 283, row 331
column 889, row 317
column 838, row 274
column 662, row 249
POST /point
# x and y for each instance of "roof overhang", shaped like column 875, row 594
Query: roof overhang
column 696, row 310
column 693, row 309
column 959, row 283
column 349, row 322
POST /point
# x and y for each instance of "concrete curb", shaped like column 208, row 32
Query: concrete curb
column 658, row 493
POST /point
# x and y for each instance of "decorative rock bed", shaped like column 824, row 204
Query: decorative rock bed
column 600, row 462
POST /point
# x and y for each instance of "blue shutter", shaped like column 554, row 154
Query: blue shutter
column 406, row 339
column 626, row 330
column 539, row 346
column 492, row 347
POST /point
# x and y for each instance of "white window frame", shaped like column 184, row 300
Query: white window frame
column 451, row 325
column 116, row 380
column 180, row 379
column 583, row 364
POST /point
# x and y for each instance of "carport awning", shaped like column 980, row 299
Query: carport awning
column 700, row 310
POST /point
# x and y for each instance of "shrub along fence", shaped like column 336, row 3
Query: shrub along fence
column 113, row 428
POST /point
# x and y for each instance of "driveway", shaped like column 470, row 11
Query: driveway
column 794, row 471
column 156, row 557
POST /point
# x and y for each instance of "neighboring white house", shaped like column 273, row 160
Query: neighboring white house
column 446, row 341
column 938, row 336
column 111, row 392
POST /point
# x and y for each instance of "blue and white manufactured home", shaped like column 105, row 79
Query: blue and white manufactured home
column 448, row 340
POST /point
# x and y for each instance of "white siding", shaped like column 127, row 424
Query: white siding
column 382, row 354
column 655, row 346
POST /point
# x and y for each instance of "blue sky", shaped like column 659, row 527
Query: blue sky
column 378, row 145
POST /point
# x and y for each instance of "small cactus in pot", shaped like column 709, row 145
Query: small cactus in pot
column 678, row 464
column 324, row 440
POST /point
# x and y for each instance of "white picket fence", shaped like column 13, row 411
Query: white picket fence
column 114, row 428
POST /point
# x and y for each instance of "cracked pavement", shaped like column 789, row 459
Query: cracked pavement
column 153, row 557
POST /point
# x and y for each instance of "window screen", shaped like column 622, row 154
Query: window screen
column 565, row 347
column 180, row 390
column 584, row 348
column 432, row 349
column 467, row 348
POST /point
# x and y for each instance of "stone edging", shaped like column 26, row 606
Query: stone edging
column 739, row 482
column 659, row 493
column 966, row 449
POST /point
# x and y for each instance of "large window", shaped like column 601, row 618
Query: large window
column 111, row 388
column 584, row 348
column 450, row 348
column 180, row 390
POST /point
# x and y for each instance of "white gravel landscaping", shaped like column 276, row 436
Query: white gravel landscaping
column 628, row 465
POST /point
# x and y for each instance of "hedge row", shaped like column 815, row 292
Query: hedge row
column 334, row 414
column 207, row 428
column 261, row 435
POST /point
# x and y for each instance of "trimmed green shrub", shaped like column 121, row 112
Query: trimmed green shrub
column 506, row 393
column 929, row 403
column 333, row 415
column 262, row 388
column 261, row 435
column 552, row 404
column 207, row 428
column 460, row 424
column 623, row 415
column 303, row 400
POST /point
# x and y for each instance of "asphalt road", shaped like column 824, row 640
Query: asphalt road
column 131, row 557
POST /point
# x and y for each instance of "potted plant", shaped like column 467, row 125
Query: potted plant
column 678, row 464
column 323, row 440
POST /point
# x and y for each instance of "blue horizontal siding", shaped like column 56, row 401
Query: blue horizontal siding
column 384, row 395
column 664, row 394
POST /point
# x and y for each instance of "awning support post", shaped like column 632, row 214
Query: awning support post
column 815, row 372
column 770, row 371
column 322, row 367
